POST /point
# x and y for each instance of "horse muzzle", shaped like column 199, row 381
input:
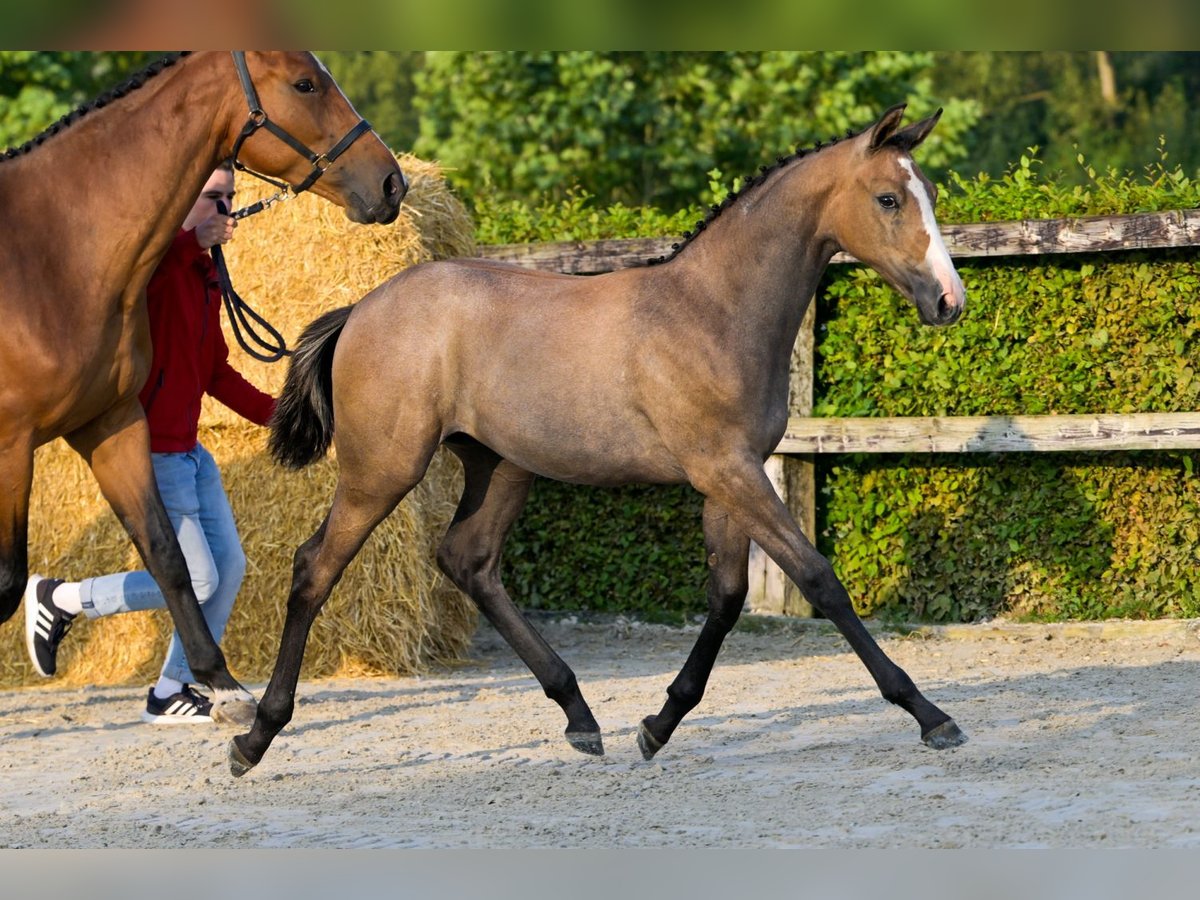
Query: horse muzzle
column 386, row 208
column 938, row 303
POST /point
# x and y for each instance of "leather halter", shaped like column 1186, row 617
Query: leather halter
column 259, row 119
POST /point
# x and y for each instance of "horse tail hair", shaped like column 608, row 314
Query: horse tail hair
column 302, row 424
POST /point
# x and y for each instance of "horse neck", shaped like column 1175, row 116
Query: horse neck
column 760, row 260
column 129, row 172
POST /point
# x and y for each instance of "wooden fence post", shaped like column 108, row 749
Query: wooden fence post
column 771, row 591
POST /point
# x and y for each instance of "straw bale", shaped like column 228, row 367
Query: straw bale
column 392, row 612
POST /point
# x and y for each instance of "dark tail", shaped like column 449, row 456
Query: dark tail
column 302, row 426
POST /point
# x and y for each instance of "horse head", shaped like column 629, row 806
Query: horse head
column 881, row 212
column 292, row 96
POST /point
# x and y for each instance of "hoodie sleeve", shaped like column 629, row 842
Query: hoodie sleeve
column 231, row 388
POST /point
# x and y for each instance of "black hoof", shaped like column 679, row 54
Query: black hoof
column 588, row 742
column 944, row 736
column 648, row 743
column 239, row 765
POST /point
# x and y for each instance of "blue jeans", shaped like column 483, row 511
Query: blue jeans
column 191, row 489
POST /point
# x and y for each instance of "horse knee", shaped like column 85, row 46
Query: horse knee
column 461, row 564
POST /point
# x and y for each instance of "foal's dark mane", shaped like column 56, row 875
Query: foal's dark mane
column 133, row 82
column 764, row 173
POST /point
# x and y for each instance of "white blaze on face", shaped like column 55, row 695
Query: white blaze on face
column 936, row 256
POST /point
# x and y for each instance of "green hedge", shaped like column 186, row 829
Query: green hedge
column 944, row 538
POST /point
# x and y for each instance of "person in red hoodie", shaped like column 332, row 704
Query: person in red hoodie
column 190, row 359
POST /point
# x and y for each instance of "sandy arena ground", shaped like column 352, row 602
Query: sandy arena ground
column 1080, row 736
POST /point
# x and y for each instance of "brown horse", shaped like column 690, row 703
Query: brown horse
column 674, row 372
column 89, row 208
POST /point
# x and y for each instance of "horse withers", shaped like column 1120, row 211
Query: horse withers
column 672, row 372
column 91, row 206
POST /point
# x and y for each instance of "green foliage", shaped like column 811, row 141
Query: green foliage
column 1024, row 192
column 643, row 128
column 37, row 88
column 574, row 218
column 1057, row 100
column 380, row 85
column 636, row 549
column 1061, row 536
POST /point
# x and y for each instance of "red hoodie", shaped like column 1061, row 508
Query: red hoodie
column 191, row 358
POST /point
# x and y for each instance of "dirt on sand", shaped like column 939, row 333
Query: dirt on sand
column 1080, row 736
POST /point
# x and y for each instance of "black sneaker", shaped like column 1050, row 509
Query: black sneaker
column 45, row 624
column 184, row 707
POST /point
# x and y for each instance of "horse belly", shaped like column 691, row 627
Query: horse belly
column 583, row 450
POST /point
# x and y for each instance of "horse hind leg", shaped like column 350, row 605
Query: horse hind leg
column 317, row 566
column 747, row 493
column 728, row 550
column 16, row 479
column 494, row 493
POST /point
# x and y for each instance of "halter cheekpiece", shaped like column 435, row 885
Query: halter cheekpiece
column 239, row 311
column 258, row 118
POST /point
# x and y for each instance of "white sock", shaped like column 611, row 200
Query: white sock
column 67, row 598
column 166, row 687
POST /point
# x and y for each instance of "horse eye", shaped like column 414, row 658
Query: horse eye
column 305, row 86
column 887, row 201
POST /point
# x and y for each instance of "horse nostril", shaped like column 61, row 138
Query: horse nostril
column 947, row 311
column 395, row 186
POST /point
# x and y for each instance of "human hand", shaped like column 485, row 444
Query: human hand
column 216, row 229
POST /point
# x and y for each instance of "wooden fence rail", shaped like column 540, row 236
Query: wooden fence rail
column 1031, row 237
column 992, row 434
column 791, row 469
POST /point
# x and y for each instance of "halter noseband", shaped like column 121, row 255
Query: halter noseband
column 259, row 119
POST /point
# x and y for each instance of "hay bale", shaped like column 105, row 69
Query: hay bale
column 392, row 612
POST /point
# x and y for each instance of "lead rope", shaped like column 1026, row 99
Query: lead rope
column 237, row 308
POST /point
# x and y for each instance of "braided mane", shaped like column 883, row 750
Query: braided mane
column 764, row 173
column 131, row 83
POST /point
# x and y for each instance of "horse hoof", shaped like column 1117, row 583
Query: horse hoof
column 239, row 765
column 588, row 742
column 647, row 743
column 235, row 712
column 944, row 736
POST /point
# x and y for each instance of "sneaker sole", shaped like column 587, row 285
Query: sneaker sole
column 31, row 611
column 151, row 719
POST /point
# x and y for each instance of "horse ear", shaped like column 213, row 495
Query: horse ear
column 886, row 126
column 911, row 136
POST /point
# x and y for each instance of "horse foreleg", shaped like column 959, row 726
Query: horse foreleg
column 727, row 549
column 746, row 492
column 317, row 566
column 494, row 493
column 16, row 478
column 117, row 448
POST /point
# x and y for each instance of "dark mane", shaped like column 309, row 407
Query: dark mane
column 764, row 172
column 131, row 83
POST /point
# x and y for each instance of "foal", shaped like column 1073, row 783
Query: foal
column 674, row 372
